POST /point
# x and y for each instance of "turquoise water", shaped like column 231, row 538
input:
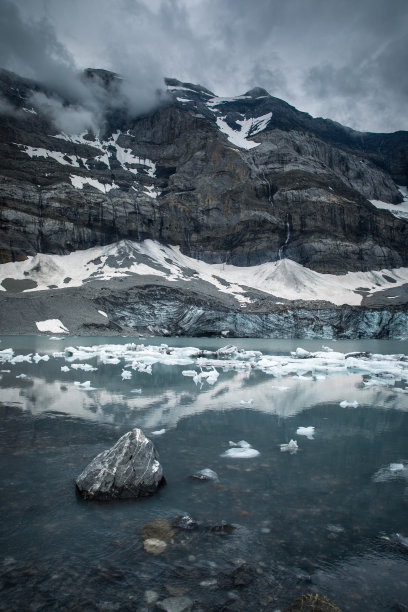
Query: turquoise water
column 331, row 518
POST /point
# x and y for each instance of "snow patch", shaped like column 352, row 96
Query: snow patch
column 52, row 325
column 285, row 278
column 79, row 181
column 398, row 210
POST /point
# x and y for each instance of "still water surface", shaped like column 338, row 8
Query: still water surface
column 331, row 518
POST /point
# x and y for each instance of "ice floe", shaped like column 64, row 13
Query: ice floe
column 240, row 450
column 240, row 453
column 86, row 386
column 86, row 367
column 291, row 447
column 391, row 472
column 346, row 404
column 158, row 432
column 306, row 431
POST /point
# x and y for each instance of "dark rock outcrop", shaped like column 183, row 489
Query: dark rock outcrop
column 129, row 469
column 174, row 176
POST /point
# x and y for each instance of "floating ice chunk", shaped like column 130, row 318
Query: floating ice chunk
column 126, row 375
column 278, row 388
column 334, row 528
column 240, row 444
column 327, row 349
column 158, row 432
column 86, row 367
column 206, row 474
column 396, row 467
column 5, row 371
column 38, row 358
column 302, row 377
column 292, row 447
column 391, row 472
column 22, row 376
column 306, row 431
column 247, row 402
column 346, row 404
column 241, row 453
column 189, row 373
column 103, row 313
column 301, row 353
column 65, row 369
column 6, row 355
column 86, row 386
column 136, row 391
column 402, row 539
column 21, row 358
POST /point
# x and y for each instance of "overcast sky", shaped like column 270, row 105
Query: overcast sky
column 342, row 59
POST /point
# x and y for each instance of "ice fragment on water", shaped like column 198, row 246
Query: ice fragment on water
column 126, row 374
column 247, row 402
column 158, row 432
column 396, row 467
column 301, row 353
column 241, row 444
column 292, row 447
column 391, row 472
column 85, row 385
column 83, row 366
column 346, row 404
column 240, row 453
column 306, row 431
column 65, row 369
column 38, row 358
column 240, row 450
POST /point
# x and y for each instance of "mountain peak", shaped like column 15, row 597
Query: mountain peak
column 176, row 84
column 257, row 92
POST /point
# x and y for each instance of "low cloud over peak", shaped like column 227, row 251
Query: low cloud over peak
column 343, row 60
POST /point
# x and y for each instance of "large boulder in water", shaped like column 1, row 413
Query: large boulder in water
column 129, row 469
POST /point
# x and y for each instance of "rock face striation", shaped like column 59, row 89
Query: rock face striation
column 241, row 181
column 129, row 469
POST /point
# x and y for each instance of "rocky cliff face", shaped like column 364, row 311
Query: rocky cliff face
column 240, row 181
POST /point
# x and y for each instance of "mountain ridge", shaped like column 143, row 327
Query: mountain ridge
column 242, row 181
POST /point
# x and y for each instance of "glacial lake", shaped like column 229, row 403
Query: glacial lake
column 330, row 518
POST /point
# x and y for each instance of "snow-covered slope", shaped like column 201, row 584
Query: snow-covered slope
column 283, row 279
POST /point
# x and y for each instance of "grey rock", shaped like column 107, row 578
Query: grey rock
column 129, row 469
column 175, row 604
column 205, row 474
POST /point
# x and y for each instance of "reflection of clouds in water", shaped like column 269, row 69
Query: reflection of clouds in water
column 155, row 408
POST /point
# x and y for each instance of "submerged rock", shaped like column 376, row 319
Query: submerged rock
column 129, row 469
column 205, row 474
column 312, row 602
column 154, row 546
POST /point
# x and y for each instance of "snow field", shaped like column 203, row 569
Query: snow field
column 284, row 278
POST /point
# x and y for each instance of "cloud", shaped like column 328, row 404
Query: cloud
column 30, row 47
column 335, row 58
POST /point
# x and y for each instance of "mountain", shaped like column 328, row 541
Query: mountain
column 205, row 215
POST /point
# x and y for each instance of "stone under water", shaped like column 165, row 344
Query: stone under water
column 129, row 469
